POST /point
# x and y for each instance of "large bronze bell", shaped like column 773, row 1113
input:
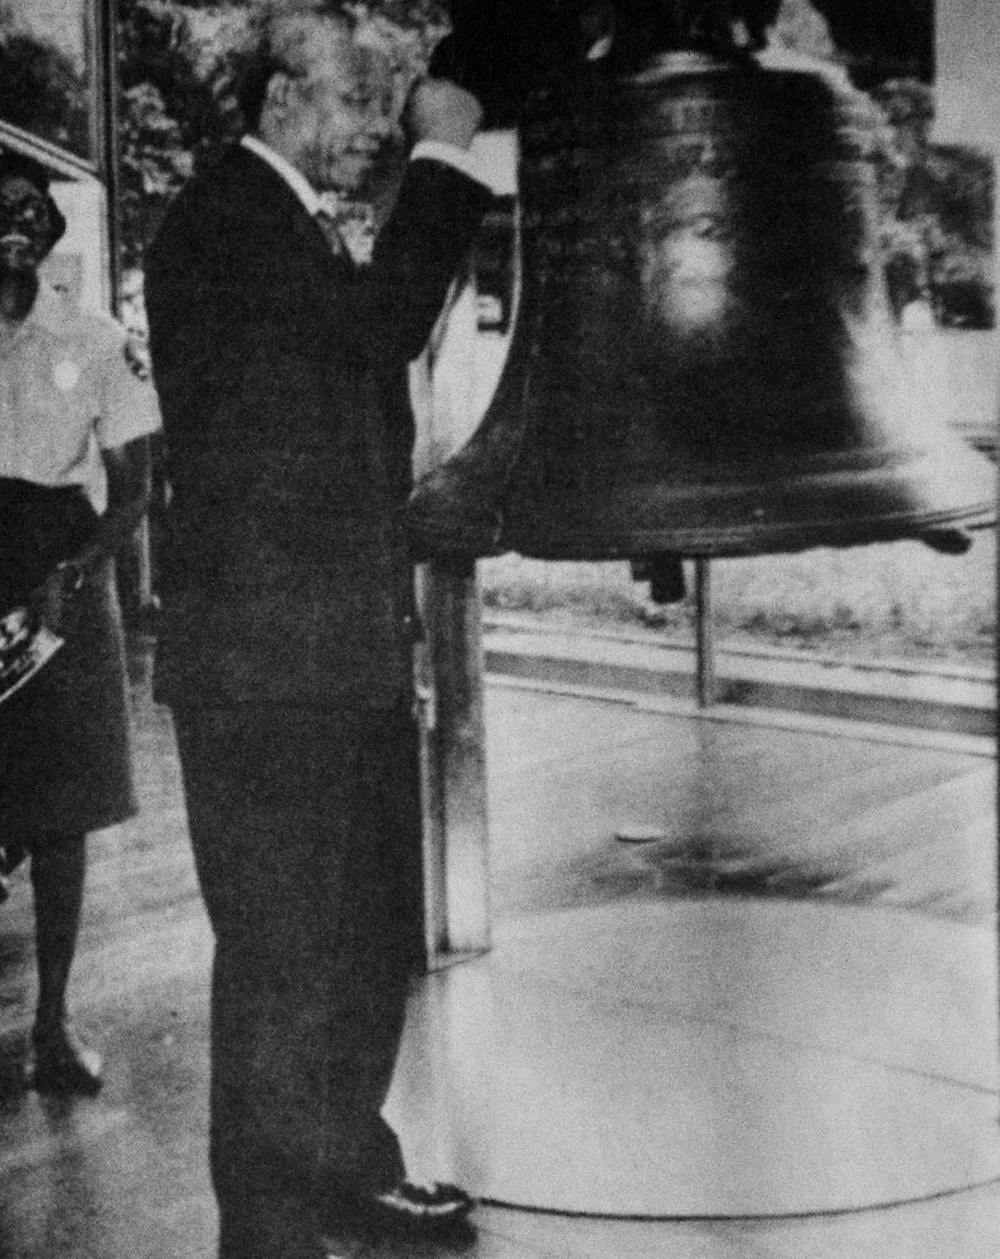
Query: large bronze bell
column 704, row 360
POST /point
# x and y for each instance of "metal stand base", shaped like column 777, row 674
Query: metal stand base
column 708, row 1058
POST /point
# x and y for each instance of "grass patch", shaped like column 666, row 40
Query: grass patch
column 888, row 600
column 898, row 599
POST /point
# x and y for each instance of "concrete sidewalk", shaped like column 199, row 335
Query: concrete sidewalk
column 749, row 1016
column 769, row 822
column 921, row 696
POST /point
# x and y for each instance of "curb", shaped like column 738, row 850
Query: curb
column 953, row 700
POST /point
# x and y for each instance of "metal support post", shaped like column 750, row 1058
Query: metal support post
column 704, row 633
column 450, row 686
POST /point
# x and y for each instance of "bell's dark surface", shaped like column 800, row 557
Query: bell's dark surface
column 704, row 360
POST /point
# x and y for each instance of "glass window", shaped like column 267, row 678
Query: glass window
column 48, row 84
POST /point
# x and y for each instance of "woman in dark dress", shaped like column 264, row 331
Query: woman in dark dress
column 74, row 482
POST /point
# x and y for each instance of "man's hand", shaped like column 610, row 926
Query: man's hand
column 441, row 110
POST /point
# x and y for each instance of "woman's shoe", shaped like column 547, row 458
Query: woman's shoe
column 59, row 1062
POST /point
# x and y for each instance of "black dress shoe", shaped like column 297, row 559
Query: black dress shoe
column 422, row 1206
column 59, row 1062
column 434, row 1210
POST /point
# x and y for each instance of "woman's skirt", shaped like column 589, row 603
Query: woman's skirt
column 65, row 737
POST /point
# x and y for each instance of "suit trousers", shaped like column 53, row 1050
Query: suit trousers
column 305, row 827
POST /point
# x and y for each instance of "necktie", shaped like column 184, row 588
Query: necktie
column 348, row 226
column 327, row 219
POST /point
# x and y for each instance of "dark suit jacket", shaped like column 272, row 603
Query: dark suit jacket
column 280, row 367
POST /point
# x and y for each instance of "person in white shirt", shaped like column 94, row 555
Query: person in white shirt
column 74, row 483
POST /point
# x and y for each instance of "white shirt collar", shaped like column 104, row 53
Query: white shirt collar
column 294, row 178
column 327, row 202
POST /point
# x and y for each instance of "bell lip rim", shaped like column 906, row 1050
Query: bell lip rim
column 735, row 541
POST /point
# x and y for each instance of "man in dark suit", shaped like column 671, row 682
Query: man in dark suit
column 286, row 638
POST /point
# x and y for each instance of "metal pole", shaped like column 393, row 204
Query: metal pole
column 106, row 37
column 996, row 650
column 704, row 636
column 456, row 857
column 968, row 113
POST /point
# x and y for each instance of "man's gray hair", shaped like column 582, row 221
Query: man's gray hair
column 276, row 42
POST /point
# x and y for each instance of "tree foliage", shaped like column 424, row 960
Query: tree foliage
column 176, row 60
column 41, row 90
column 938, row 202
column 172, row 109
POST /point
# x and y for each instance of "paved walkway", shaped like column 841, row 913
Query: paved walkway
column 750, row 813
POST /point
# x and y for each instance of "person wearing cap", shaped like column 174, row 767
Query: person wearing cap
column 74, row 483
column 286, row 630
